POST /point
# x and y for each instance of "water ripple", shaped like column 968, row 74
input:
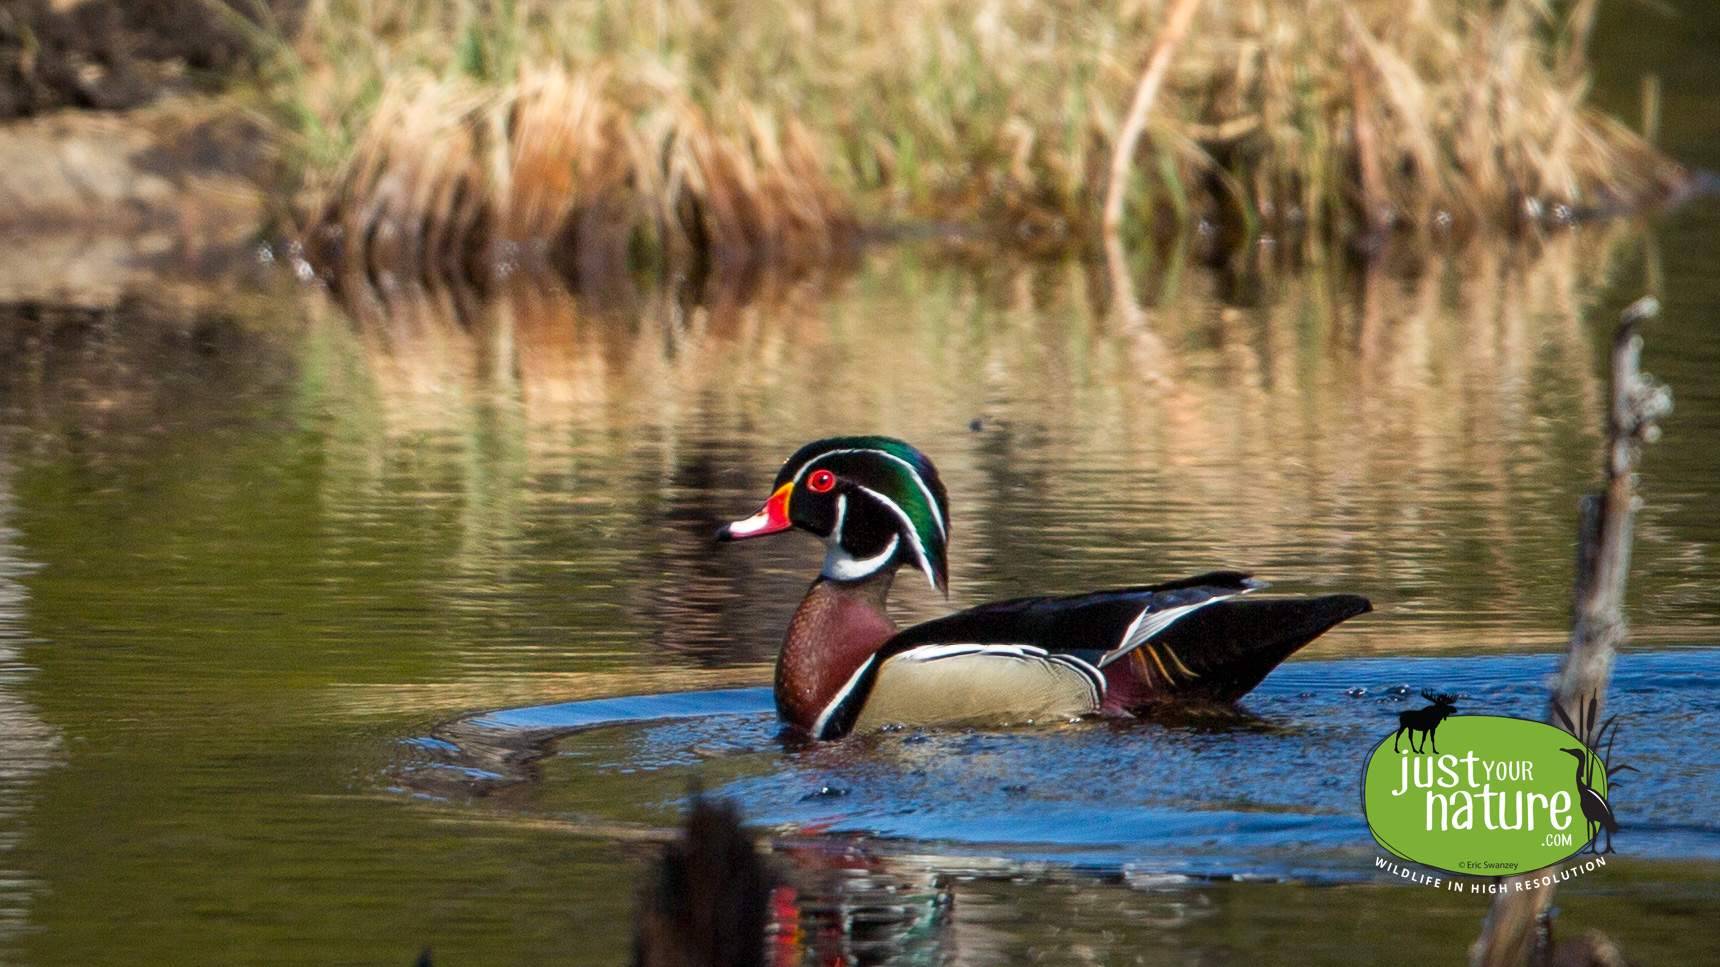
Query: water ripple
column 1274, row 793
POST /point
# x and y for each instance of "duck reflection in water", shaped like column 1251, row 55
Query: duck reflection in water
column 712, row 900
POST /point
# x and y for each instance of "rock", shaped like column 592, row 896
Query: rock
column 88, row 201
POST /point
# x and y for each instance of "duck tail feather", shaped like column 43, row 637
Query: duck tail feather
column 1223, row 651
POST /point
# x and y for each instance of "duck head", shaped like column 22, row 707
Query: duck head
column 876, row 502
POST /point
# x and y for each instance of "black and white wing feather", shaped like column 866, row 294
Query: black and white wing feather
column 1099, row 627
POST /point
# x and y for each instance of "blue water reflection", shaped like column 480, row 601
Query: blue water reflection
column 1274, row 793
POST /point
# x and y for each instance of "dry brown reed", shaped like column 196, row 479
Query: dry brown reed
column 574, row 173
column 532, row 134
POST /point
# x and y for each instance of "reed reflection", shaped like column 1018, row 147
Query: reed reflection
column 27, row 744
column 1416, row 432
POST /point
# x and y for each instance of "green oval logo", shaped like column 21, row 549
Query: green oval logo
column 1484, row 795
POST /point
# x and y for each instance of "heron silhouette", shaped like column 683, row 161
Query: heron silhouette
column 1595, row 809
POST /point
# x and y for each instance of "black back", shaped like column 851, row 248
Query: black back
column 1085, row 625
column 1233, row 645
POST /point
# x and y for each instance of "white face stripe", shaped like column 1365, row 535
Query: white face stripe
column 823, row 719
column 839, row 565
column 907, row 525
column 931, row 500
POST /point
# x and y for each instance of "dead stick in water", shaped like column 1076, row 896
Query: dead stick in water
column 1176, row 28
column 1514, row 925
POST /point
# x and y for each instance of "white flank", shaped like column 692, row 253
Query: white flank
column 1095, row 678
column 1029, row 653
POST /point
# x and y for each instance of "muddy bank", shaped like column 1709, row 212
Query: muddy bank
column 118, row 152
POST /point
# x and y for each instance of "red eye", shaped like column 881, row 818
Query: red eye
column 821, row 481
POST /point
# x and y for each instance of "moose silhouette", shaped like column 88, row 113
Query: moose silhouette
column 1425, row 720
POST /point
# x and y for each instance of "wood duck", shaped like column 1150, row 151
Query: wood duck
column 845, row 667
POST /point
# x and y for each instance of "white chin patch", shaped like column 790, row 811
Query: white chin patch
column 839, row 565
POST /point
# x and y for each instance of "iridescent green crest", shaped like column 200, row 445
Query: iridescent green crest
column 900, row 477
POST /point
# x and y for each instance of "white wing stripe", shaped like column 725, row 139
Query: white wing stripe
column 1148, row 624
column 823, row 719
column 934, row 652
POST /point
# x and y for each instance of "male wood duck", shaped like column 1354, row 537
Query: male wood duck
column 845, row 668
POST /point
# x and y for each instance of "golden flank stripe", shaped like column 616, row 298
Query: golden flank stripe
column 1158, row 661
column 1141, row 669
column 1185, row 668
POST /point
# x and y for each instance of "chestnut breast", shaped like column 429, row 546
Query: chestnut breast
column 838, row 626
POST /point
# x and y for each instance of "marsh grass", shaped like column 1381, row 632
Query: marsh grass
column 467, row 136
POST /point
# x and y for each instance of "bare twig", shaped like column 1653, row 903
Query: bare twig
column 1376, row 208
column 1515, row 924
column 1158, row 62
